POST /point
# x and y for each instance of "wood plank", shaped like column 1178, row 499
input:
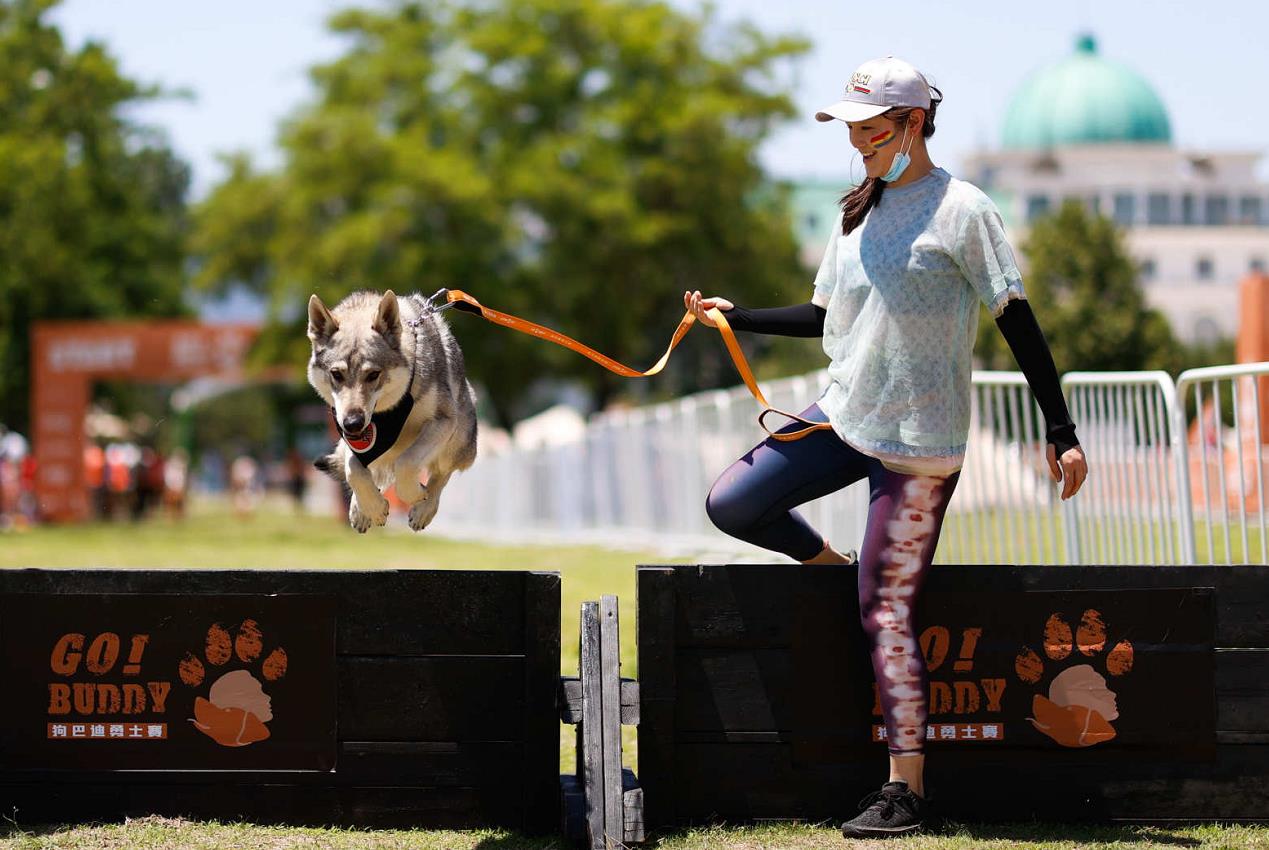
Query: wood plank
column 590, row 758
column 448, row 698
column 380, row 612
column 572, row 808
column 419, row 807
column 1242, row 690
column 656, row 610
column 1242, row 614
column 753, row 605
column 438, row 764
column 570, row 700
column 758, row 691
column 632, row 808
column 540, row 777
column 734, row 690
column 736, row 606
column 610, row 719
column 745, row 782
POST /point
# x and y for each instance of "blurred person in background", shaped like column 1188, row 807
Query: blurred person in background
column 9, row 478
column 95, row 478
column 296, row 477
column 245, row 485
column 896, row 300
column 149, row 481
column 120, row 460
column 28, row 508
column 175, row 483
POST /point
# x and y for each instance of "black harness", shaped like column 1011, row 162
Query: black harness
column 383, row 431
column 385, row 426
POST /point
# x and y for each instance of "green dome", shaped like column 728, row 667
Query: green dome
column 1085, row 99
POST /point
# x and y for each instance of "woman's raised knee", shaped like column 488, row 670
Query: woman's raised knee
column 729, row 513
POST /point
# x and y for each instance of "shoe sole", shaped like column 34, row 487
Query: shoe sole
column 878, row 832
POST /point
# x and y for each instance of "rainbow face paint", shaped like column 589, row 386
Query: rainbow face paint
column 882, row 139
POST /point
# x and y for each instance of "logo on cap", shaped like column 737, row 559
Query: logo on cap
column 859, row 83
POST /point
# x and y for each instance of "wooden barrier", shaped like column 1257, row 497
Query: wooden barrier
column 602, row 805
column 757, row 697
column 413, row 697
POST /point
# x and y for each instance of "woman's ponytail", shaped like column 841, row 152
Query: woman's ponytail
column 858, row 201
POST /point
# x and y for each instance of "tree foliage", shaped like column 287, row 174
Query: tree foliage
column 92, row 207
column 577, row 162
column 1083, row 287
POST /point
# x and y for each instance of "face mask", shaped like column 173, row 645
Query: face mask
column 900, row 162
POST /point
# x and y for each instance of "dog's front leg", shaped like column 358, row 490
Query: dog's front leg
column 368, row 506
column 423, row 501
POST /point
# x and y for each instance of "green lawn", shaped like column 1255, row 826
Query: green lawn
column 210, row 538
column 165, row 834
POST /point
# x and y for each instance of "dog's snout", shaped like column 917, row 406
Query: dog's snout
column 354, row 421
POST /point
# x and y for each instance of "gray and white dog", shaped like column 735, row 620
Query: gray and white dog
column 394, row 378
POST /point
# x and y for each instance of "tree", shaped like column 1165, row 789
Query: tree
column 92, row 207
column 577, row 162
column 1084, row 290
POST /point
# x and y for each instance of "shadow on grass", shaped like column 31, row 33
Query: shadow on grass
column 1078, row 832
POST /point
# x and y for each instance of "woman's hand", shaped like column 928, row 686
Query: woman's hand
column 1072, row 469
column 698, row 305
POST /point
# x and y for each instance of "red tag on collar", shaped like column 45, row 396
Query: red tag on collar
column 363, row 442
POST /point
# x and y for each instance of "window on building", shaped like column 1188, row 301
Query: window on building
column 1125, row 209
column 1158, row 208
column 1250, row 210
column 1216, row 210
column 812, row 221
column 1037, row 207
column 1189, row 210
column 1257, row 264
column 1148, row 270
column 1204, row 268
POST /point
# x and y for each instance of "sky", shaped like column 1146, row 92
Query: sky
column 245, row 64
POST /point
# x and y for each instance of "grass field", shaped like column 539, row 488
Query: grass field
column 210, row 538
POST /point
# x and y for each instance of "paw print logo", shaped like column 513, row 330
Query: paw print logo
column 237, row 708
column 1080, row 705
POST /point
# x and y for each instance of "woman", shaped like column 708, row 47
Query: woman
column 896, row 302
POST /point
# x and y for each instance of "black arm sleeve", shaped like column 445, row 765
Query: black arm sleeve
column 798, row 320
column 1021, row 330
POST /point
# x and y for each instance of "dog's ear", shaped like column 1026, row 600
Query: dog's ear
column 321, row 324
column 388, row 319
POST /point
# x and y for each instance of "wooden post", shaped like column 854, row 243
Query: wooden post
column 590, row 758
column 610, row 690
column 603, row 804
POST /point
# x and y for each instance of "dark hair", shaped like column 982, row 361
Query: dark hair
column 857, row 202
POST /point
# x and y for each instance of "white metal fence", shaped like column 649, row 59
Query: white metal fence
column 1166, row 485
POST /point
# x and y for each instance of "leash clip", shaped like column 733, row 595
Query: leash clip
column 429, row 304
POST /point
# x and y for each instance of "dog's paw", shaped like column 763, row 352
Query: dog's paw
column 423, row 511
column 362, row 518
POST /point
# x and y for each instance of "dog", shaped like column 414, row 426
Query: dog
column 394, row 378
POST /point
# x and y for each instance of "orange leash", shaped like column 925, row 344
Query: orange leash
column 462, row 301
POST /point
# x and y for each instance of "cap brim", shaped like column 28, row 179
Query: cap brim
column 850, row 110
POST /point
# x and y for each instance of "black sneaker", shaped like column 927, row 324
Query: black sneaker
column 894, row 810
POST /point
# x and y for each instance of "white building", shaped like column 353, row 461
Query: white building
column 1090, row 129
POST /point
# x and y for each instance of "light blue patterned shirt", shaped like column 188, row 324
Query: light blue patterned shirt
column 901, row 293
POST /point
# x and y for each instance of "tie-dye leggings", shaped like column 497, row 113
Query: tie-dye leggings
column 754, row 500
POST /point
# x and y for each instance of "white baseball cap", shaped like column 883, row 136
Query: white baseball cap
column 877, row 86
